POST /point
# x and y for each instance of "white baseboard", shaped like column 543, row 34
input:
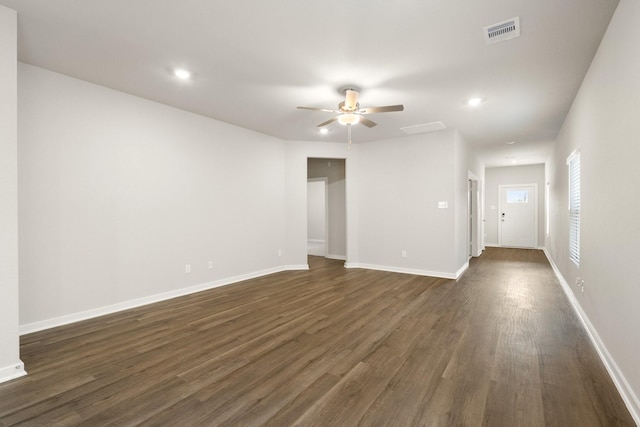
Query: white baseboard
column 628, row 396
column 338, row 257
column 12, row 372
column 461, row 270
column 293, row 267
column 125, row 305
column 417, row 272
column 492, row 245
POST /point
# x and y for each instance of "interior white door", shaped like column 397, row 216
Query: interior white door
column 518, row 216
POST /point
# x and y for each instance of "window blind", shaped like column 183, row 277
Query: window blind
column 574, row 207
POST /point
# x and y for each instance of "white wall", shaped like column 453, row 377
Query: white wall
column 603, row 124
column 10, row 364
column 512, row 175
column 118, row 194
column 334, row 170
column 401, row 182
column 316, row 209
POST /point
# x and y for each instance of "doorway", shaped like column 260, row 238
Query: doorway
column 328, row 176
column 518, row 216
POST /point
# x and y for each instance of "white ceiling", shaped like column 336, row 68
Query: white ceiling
column 254, row 61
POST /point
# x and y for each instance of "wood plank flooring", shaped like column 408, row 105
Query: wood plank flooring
column 329, row 347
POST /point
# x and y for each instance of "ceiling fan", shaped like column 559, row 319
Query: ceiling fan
column 349, row 112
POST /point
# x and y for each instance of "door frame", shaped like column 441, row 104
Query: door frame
column 474, row 216
column 535, row 210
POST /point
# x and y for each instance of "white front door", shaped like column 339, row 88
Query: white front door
column 518, row 216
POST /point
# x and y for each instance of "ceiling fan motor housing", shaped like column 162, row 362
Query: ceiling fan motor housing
column 345, row 108
column 351, row 100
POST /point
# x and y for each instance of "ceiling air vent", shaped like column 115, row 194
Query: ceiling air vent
column 427, row 127
column 502, row 31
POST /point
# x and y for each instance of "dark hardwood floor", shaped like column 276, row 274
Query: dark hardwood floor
column 329, row 347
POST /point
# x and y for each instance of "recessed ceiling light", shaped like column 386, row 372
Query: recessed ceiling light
column 510, row 142
column 182, row 74
column 474, row 102
column 324, row 131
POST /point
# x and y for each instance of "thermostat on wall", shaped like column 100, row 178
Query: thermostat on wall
column 443, row 205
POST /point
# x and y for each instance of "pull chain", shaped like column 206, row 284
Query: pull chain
column 349, row 136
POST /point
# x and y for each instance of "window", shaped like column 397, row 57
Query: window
column 574, row 207
column 517, row 196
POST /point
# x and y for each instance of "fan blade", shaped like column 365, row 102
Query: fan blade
column 327, row 122
column 351, row 100
column 386, row 109
column 318, row 109
column 368, row 123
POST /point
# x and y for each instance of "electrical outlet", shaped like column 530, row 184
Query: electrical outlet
column 279, row 252
column 210, row 265
column 404, row 254
column 187, row 268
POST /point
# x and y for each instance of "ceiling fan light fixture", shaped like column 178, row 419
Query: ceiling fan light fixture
column 348, row 119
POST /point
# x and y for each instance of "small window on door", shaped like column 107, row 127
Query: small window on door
column 517, row 196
